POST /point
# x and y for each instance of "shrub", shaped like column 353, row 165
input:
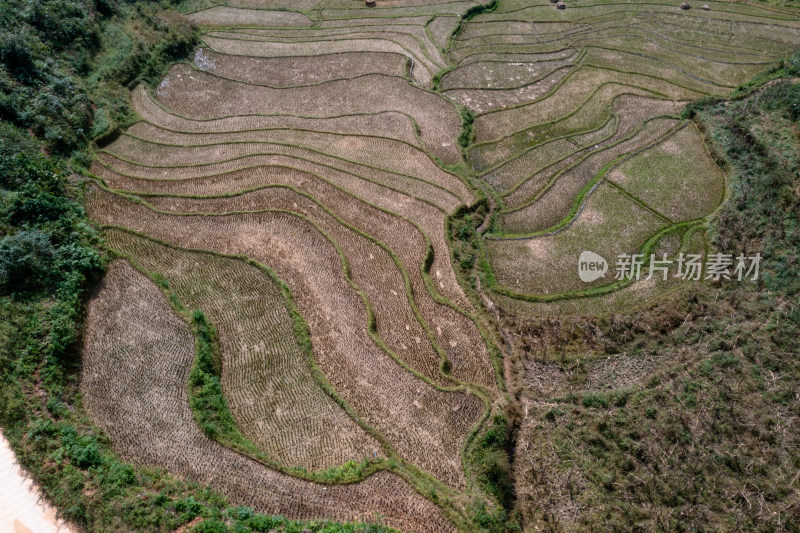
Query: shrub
column 490, row 459
column 62, row 22
column 18, row 52
column 26, row 261
column 82, row 450
column 14, row 140
column 467, row 119
column 596, row 401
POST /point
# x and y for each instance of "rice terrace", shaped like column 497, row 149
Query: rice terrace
column 342, row 270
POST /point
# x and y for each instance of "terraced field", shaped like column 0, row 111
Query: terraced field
column 568, row 101
column 296, row 182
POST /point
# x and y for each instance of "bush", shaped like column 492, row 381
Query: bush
column 26, row 261
column 46, row 246
column 62, row 22
column 14, row 140
column 491, row 461
column 82, row 450
column 64, row 64
column 467, row 119
column 18, row 52
column 596, row 401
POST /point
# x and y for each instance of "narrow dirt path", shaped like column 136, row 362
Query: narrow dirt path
column 22, row 509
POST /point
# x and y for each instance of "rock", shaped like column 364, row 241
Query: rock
column 705, row 7
column 561, row 5
column 685, row 6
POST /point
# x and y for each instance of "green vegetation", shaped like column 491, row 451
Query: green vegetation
column 473, row 12
column 46, row 259
column 491, row 458
column 701, row 442
column 466, row 136
column 213, row 415
column 48, row 263
column 208, row 404
column 66, row 68
column 758, row 137
column 463, row 228
column 66, row 65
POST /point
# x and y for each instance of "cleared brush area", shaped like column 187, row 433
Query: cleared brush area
column 427, row 426
column 266, row 376
column 137, row 359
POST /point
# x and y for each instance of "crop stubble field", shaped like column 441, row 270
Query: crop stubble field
column 607, row 82
column 322, row 143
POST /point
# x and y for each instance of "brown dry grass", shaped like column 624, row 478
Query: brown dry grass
column 569, row 96
column 353, row 175
column 546, row 158
column 629, row 112
column 298, row 174
column 411, row 36
column 376, row 152
column 484, row 100
column 389, row 124
column 505, row 75
column 441, row 28
column 228, row 16
column 610, row 225
column 677, row 177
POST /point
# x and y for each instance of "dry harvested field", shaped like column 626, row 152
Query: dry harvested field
column 261, row 360
column 577, row 127
column 137, row 359
column 312, row 180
